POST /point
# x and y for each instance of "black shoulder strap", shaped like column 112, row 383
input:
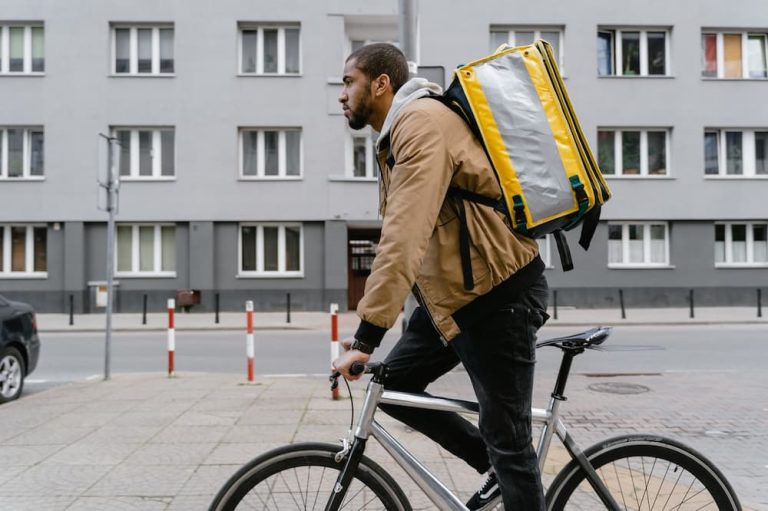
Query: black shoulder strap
column 563, row 250
column 591, row 219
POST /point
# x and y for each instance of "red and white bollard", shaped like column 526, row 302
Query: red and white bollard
column 334, row 342
column 171, row 336
column 249, row 338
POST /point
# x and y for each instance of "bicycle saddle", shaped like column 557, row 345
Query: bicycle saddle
column 592, row 337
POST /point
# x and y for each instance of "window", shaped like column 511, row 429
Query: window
column 632, row 52
column 271, row 250
column 526, row 36
column 638, row 244
column 742, row 244
column 633, row 152
column 21, row 153
column 146, row 249
column 145, row 153
column 361, row 155
column 741, row 153
column 270, row 153
column 23, row 250
column 734, row 54
column 142, row 50
column 22, row 49
column 270, row 49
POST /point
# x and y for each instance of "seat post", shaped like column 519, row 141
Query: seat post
column 565, row 369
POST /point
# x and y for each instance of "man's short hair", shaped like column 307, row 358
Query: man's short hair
column 377, row 59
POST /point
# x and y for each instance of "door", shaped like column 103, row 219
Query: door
column 361, row 250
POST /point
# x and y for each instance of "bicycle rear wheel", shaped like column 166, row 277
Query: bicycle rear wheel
column 302, row 476
column 644, row 473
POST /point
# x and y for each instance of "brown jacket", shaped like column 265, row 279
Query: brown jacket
column 434, row 149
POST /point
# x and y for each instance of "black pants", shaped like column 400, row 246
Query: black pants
column 498, row 353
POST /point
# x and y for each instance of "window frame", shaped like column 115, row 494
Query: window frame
column 545, row 250
column 157, row 248
column 749, row 165
column 133, row 44
column 537, row 30
column 750, row 246
column 135, row 149
column 720, row 53
column 618, row 153
column 281, row 49
column 26, row 153
column 371, row 165
column 281, row 272
column 29, row 252
column 617, row 50
column 646, row 264
column 282, row 154
column 5, row 48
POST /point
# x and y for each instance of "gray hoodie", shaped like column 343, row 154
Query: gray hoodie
column 414, row 88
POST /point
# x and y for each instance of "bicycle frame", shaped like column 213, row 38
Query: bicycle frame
column 435, row 490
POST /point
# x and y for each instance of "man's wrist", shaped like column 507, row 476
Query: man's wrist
column 362, row 346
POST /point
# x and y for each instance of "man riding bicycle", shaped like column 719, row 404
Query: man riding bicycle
column 480, row 286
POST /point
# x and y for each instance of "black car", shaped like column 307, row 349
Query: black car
column 19, row 347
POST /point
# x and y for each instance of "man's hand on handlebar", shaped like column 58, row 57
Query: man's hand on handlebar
column 343, row 364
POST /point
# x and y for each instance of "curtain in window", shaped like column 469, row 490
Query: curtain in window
column 761, row 152
column 604, row 53
column 497, row 39
column 270, row 51
column 122, row 50
column 711, row 153
column 250, row 153
column 719, row 243
column 271, row 158
column 292, row 152
column 606, row 151
column 124, row 248
column 36, row 166
column 756, row 56
column 636, row 249
column 248, row 248
column 15, row 152
column 145, row 153
column 124, row 145
column 657, row 153
column 292, row 50
column 19, row 249
column 658, row 244
column 630, row 50
column 358, row 156
column 249, row 51
column 270, row 249
column 145, row 50
column 732, row 55
column 739, row 243
column 656, row 53
column 146, row 248
column 630, row 148
column 615, row 250
column 292, row 248
column 16, row 48
column 38, row 57
column 760, row 243
column 709, row 55
column 40, row 249
column 168, row 150
column 733, row 150
column 166, row 50
column 168, row 247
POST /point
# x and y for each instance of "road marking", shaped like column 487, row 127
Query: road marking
column 295, row 375
column 93, row 377
column 30, row 380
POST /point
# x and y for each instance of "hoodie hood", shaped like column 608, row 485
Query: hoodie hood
column 414, row 88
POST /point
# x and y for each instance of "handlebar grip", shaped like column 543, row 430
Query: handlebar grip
column 357, row 368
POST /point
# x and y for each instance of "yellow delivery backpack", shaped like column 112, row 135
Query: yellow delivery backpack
column 516, row 104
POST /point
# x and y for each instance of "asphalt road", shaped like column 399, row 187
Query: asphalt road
column 69, row 357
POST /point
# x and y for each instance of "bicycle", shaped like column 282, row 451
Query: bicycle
column 630, row 472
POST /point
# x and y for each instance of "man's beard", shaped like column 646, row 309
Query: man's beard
column 358, row 119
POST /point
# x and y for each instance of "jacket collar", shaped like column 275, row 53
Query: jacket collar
column 414, row 88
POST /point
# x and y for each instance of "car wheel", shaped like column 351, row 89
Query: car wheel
column 11, row 374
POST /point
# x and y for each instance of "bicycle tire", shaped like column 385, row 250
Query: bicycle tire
column 284, row 478
column 644, row 472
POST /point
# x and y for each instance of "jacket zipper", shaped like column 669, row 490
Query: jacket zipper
column 423, row 303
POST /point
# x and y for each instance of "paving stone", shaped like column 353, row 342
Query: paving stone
column 120, row 504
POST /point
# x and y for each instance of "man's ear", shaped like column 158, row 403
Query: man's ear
column 382, row 85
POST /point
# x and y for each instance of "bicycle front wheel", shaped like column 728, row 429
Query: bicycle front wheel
column 302, row 476
column 644, row 473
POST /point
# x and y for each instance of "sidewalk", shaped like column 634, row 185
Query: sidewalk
column 566, row 316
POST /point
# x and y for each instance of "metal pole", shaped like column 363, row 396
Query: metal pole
column 111, row 204
column 71, row 310
column 144, row 314
column 621, row 302
column 690, row 300
column 759, row 303
column 288, row 308
column 554, row 303
column 217, row 308
column 408, row 32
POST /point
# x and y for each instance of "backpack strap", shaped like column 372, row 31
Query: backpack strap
column 464, row 239
column 591, row 219
column 563, row 250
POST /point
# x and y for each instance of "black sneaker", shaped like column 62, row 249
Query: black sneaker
column 487, row 493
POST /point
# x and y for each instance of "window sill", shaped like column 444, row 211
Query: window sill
column 142, row 75
column 715, row 79
column 636, row 177
column 641, row 267
column 24, row 276
column 270, row 275
column 270, row 75
column 21, row 73
column 739, row 266
column 349, row 179
column 734, row 177
column 22, row 179
column 147, row 275
column 146, row 179
column 270, row 178
column 635, row 77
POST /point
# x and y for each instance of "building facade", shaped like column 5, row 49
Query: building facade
column 240, row 178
